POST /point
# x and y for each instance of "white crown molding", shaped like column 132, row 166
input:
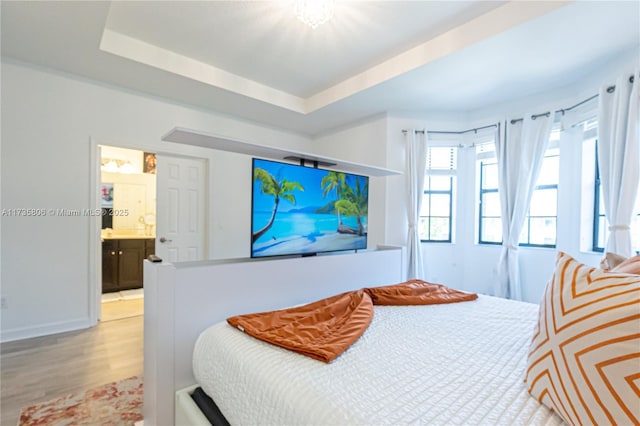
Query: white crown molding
column 166, row 60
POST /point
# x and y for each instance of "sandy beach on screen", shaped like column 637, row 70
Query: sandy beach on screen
column 314, row 243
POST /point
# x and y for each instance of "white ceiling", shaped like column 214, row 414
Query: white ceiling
column 255, row 60
column 262, row 41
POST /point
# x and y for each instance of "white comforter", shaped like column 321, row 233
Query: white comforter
column 461, row 363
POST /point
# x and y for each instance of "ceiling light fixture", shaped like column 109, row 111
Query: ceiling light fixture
column 115, row 165
column 314, row 12
column 110, row 166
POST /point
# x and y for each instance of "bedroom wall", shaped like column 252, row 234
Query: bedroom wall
column 48, row 121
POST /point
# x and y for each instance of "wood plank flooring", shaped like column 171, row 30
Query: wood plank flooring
column 122, row 309
column 39, row 369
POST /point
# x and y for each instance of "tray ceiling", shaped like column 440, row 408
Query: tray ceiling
column 256, row 61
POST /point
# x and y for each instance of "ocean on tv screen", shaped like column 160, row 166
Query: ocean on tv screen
column 302, row 210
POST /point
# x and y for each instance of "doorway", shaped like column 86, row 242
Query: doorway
column 181, row 206
column 128, row 207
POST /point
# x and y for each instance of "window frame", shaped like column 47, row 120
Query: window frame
column 596, row 207
column 543, row 187
column 528, row 219
column 430, row 192
column 451, row 173
column 597, row 214
column 484, row 191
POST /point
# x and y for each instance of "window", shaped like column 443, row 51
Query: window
column 599, row 219
column 594, row 229
column 539, row 228
column 436, row 213
column 600, row 226
column 490, row 223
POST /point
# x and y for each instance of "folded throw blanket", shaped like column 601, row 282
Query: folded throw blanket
column 324, row 329
column 417, row 292
column 321, row 330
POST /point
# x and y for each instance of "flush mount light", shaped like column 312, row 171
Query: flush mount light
column 314, row 12
column 115, row 165
column 110, row 166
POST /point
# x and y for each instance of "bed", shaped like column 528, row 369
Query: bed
column 460, row 363
column 182, row 300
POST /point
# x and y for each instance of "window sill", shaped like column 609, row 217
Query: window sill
column 592, row 253
column 539, row 248
column 536, row 248
column 436, row 242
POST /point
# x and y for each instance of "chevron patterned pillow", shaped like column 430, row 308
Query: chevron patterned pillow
column 584, row 359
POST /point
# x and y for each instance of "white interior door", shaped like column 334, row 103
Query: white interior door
column 180, row 216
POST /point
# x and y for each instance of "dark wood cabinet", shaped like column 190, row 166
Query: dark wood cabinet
column 150, row 247
column 109, row 266
column 122, row 263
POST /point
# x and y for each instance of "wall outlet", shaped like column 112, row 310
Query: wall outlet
column 3, row 303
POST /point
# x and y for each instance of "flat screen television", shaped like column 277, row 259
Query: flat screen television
column 299, row 210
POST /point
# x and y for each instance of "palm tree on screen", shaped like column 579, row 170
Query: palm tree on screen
column 334, row 181
column 279, row 188
column 355, row 202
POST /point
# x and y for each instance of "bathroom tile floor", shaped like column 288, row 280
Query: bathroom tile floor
column 127, row 306
column 137, row 293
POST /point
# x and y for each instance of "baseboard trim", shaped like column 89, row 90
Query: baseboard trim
column 43, row 330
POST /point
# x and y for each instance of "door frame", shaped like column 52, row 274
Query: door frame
column 95, row 222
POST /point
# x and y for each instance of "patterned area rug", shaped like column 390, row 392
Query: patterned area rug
column 113, row 404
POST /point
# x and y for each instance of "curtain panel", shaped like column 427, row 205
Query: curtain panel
column 520, row 152
column 619, row 158
column 416, row 163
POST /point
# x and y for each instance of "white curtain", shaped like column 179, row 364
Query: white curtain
column 416, row 163
column 520, row 152
column 619, row 158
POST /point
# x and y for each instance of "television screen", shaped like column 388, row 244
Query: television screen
column 304, row 210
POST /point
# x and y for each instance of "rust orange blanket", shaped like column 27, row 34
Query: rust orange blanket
column 324, row 329
column 321, row 330
column 417, row 292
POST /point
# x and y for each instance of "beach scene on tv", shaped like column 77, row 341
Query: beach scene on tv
column 304, row 210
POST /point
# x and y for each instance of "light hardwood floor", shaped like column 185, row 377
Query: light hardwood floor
column 39, row 369
column 122, row 309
